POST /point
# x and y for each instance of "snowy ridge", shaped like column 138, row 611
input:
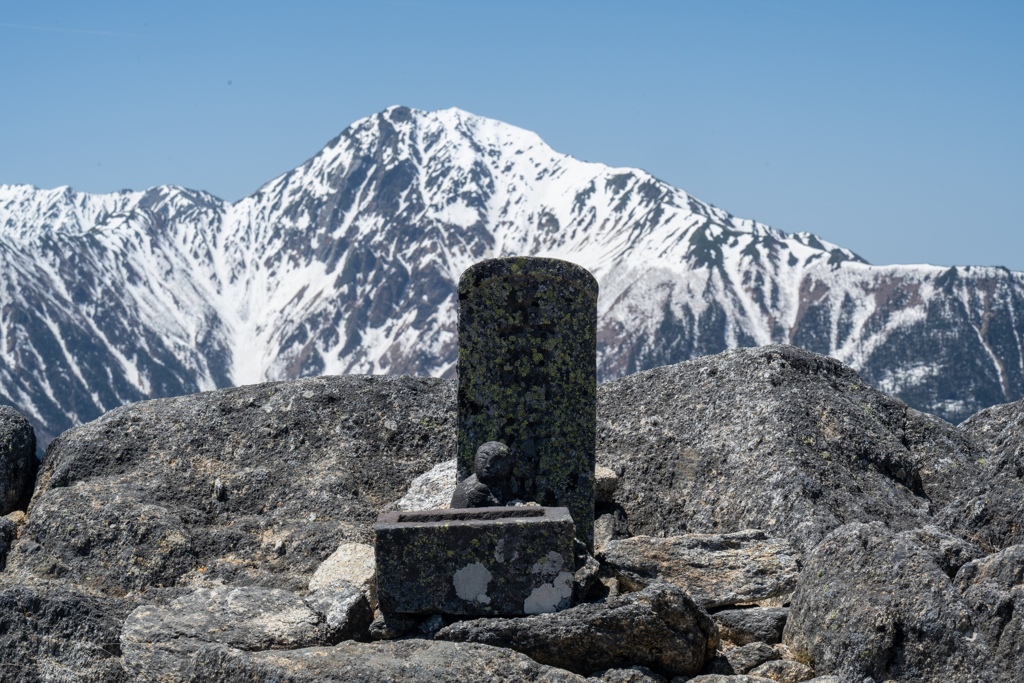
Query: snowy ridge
column 349, row 264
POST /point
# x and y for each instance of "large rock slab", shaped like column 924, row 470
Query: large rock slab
column 250, row 485
column 18, row 462
column 993, row 511
column 780, row 439
column 405, row 661
column 56, row 632
column 873, row 603
column 715, row 569
column 994, row 589
column 158, row 642
column 659, row 627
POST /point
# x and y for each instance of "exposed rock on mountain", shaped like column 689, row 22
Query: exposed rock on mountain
column 54, row 631
column 715, row 570
column 781, row 439
column 157, row 642
column 871, row 603
column 406, row 661
column 349, row 263
column 132, row 500
column 994, row 588
column 162, row 506
column 18, row 463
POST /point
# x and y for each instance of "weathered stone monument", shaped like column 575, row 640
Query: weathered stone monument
column 526, row 439
column 528, row 379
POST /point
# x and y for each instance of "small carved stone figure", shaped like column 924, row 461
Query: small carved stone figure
column 492, row 464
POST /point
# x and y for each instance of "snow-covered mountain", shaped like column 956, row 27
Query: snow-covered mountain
column 349, row 263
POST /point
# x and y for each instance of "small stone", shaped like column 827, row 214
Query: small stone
column 610, row 526
column 351, row 563
column 344, row 609
column 219, row 492
column 605, row 483
column 18, row 517
column 784, row 671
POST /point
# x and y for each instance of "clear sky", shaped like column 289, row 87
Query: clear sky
column 895, row 129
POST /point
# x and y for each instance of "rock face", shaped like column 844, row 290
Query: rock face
column 716, row 570
column 994, row 588
column 18, row 463
column 659, row 627
column 905, row 531
column 872, row 603
column 158, row 642
column 55, row 632
column 132, row 500
column 781, row 439
column 997, row 498
column 406, row 661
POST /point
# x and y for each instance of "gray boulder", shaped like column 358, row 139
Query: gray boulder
column 715, row 569
column 8, row 532
column 950, row 552
column 158, row 642
column 250, row 485
column 994, row 588
column 56, row 632
column 344, row 610
column 784, row 671
column 740, row 660
column 994, row 506
column 633, row 674
column 873, row 603
column 404, row 661
column 659, row 627
column 780, row 439
column 18, row 461
column 751, row 625
column 723, row 678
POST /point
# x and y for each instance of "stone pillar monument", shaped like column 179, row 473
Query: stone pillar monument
column 528, row 379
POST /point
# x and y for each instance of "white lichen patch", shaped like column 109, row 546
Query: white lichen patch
column 550, row 597
column 549, row 565
column 471, row 583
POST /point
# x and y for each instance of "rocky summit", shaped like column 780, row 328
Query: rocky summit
column 762, row 515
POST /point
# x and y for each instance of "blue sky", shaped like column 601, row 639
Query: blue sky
column 892, row 128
